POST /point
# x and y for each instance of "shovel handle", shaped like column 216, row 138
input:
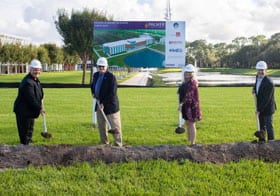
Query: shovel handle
column 104, row 115
column 180, row 118
column 45, row 123
column 257, row 115
column 94, row 121
column 258, row 122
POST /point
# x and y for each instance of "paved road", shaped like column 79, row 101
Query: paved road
column 140, row 79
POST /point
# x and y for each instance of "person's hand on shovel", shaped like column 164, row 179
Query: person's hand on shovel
column 42, row 112
column 101, row 106
column 180, row 107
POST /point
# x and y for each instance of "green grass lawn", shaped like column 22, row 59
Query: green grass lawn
column 149, row 117
column 50, row 77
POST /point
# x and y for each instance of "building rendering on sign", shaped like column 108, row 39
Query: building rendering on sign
column 121, row 46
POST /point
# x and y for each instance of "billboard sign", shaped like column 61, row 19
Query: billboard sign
column 141, row 43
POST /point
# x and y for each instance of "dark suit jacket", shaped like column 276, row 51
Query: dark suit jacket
column 29, row 100
column 265, row 98
column 108, row 92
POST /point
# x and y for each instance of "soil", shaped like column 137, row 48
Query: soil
column 21, row 156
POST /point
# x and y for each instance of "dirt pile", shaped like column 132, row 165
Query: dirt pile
column 21, row 156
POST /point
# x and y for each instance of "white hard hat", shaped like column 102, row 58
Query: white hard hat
column 102, row 61
column 189, row 68
column 36, row 64
column 261, row 65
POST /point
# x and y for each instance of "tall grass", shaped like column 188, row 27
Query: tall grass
column 149, row 117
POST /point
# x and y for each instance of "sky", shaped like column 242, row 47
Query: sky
column 215, row 21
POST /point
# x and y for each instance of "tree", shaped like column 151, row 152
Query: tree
column 258, row 40
column 55, row 53
column 70, row 60
column 275, row 36
column 1, row 48
column 240, row 41
column 244, row 58
column 43, row 55
column 6, row 53
column 77, row 32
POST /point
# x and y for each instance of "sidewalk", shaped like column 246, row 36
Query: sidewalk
column 140, row 79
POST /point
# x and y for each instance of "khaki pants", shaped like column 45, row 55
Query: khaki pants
column 115, row 122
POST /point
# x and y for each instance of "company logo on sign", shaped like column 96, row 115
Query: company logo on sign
column 175, row 50
column 154, row 25
column 175, row 42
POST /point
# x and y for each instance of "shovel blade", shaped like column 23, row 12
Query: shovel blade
column 179, row 130
column 46, row 135
column 114, row 131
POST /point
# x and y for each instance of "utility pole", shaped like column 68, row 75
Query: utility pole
column 167, row 15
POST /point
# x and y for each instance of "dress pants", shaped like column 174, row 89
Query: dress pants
column 25, row 128
column 115, row 122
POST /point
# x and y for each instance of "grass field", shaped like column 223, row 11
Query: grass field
column 75, row 77
column 149, row 117
column 50, row 77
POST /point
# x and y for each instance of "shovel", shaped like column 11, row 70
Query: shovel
column 94, row 121
column 259, row 133
column 45, row 133
column 111, row 130
column 180, row 129
column 257, row 116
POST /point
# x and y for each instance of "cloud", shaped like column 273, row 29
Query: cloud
column 212, row 20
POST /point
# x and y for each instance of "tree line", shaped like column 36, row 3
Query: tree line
column 17, row 53
column 242, row 52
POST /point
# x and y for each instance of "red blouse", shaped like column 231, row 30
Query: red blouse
column 188, row 95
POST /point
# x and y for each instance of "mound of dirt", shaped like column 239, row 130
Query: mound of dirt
column 21, row 156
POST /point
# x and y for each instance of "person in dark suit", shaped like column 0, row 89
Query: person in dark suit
column 28, row 104
column 104, row 90
column 265, row 102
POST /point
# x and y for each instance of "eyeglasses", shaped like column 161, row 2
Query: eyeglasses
column 36, row 69
column 100, row 66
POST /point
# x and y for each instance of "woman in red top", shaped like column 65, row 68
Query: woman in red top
column 189, row 102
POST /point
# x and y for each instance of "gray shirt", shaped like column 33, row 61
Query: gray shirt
column 98, row 85
column 259, row 81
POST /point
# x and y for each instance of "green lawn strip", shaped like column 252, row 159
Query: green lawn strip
column 50, row 77
column 145, row 178
column 149, row 117
column 67, row 77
